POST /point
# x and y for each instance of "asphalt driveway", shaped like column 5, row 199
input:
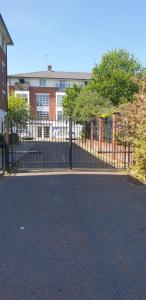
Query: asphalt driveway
column 72, row 237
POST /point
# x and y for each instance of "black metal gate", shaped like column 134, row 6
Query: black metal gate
column 1, row 146
column 51, row 144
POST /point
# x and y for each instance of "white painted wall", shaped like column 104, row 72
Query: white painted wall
column 35, row 82
column 49, row 82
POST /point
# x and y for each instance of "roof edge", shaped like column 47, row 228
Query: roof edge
column 6, row 30
column 35, row 74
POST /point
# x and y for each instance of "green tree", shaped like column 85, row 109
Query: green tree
column 114, row 78
column 69, row 100
column 18, row 110
column 90, row 105
column 133, row 128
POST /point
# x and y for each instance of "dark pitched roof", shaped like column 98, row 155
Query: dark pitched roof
column 5, row 31
column 55, row 75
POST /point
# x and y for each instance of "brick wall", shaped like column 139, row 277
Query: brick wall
column 52, row 99
column 3, row 80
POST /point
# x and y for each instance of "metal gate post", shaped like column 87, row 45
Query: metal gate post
column 125, row 152
column 12, row 158
column 101, row 135
column 6, row 143
column 70, row 143
column 114, row 132
column 2, row 145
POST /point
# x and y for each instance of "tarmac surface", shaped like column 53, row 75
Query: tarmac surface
column 72, row 237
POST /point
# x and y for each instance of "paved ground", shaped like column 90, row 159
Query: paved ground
column 72, row 237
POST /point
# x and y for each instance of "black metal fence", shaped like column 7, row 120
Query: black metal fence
column 47, row 144
column 2, row 151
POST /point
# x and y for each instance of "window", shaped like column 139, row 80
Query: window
column 59, row 115
column 21, row 80
column 42, row 115
column 62, row 85
column 42, row 82
column 59, row 100
column 46, row 131
column 42, row 100
column 39, row 132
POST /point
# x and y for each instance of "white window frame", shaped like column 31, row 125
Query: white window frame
column 59, row 108
column 59, row 111
column 42, row 82
column 42, row 107
column 43, row 111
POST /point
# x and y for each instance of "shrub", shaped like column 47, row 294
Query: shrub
column 133, row 122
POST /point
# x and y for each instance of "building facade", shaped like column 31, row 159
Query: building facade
column 5, row 40
column 44, row 92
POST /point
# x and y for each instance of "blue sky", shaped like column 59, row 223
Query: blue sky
column 74, row 34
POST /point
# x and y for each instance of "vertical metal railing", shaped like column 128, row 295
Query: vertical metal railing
column 1, row 146
column 49, row 143
column 11, row 142
column 70, row 143
column 6, row 144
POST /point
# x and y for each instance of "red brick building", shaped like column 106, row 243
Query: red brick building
column 5, row 40
column 44, row 90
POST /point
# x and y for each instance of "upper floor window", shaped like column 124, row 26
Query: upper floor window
column 42, row 82
column 42, row 99
column 22, row 80
column 62, row 85
column 59, row 100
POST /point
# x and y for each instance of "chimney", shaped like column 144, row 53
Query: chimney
column 50, row 68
